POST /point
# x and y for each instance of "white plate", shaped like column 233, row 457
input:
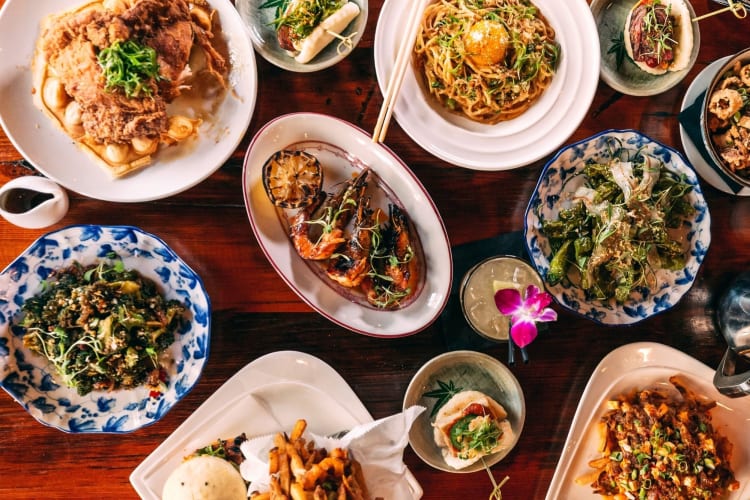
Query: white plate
column 706, row 171
column 54, row 154
column 514, row 143
column 263, row 35
column 266, row 396
column 635, row 366
column 342, row 149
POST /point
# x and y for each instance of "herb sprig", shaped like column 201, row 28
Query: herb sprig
column 129, row 66
column 443, row 394
column 618, row 49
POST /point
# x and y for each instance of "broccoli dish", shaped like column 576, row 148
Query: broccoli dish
column 102, row 327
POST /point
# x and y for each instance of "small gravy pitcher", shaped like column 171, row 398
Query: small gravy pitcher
column 733, row 317
column 32, row 202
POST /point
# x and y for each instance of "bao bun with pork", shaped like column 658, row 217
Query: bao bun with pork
column 205, row 477
column 658, row 35
column 293, row 27
column 469, row 426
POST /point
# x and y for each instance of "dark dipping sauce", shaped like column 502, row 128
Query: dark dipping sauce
column 21, row 200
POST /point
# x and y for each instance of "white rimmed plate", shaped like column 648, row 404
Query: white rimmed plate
column 54, row 154
column 639, row 365
column 268, row 395
column 344, row 149
column 515, row 143
column 263, row 35
column 706, row 171
column 32, row 380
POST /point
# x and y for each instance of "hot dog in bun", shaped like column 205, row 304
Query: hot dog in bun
column 658, row 35
column 306, row 27
column 469, row 426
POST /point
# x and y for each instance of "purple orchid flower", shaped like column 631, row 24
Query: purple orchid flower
column 524, row 312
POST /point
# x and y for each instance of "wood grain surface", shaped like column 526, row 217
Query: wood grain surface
column 255, row 313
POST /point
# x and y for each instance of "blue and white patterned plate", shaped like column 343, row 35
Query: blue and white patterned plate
column 559, row 177
column 34, row 383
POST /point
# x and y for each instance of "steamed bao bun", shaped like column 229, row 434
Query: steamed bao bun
column 464, row 404
column 683, row 35
column 205, row 478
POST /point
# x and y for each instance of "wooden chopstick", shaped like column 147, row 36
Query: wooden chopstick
column 399, row 69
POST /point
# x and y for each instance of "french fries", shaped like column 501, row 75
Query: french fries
column 300, row 471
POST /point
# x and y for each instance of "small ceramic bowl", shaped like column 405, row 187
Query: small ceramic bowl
column 466, row 370
column 478, row 287
column 259, row 22
column 561, row 177
column 712, row 127
column 610, row 17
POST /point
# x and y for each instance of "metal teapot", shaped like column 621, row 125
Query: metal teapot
column 733, row 318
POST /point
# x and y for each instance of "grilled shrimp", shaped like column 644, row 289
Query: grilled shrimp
column 394, row 267
column 400, row 265
column 350, row 267
column 334, row 215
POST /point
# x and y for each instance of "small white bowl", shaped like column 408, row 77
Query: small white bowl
column 467, row 370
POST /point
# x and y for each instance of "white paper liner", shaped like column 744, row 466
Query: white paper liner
column 378, row 446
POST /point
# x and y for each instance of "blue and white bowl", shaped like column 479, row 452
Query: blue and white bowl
column 560, row 177
column 34, row 383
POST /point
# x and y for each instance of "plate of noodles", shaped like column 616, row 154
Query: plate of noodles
column 475, row 97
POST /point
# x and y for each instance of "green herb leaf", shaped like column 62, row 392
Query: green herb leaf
column 129, row 65
column 618, row 49
column 443, row 394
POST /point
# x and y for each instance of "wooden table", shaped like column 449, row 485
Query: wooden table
column 255, row 313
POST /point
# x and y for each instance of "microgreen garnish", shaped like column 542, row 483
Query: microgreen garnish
column 659, row 33
column 306, row 15
column 129, row 66
column 443, row 394
column 213, row 451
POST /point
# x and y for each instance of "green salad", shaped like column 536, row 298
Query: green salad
column 102, row 327
column 615, row 235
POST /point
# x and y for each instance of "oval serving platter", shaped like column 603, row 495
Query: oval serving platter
column 33, row 382
column 344, row 149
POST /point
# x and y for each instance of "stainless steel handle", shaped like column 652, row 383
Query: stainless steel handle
column 726, row 380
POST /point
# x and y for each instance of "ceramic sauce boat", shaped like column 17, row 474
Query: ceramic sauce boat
column 32, row 202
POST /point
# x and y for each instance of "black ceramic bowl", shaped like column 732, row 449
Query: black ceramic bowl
column 722, row 110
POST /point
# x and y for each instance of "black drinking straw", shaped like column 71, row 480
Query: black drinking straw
column 512, row 353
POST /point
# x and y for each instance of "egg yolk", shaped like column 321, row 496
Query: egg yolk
column 486, row 43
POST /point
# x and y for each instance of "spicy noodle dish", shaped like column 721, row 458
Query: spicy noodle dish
column 124, row 78
column 489, row 60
